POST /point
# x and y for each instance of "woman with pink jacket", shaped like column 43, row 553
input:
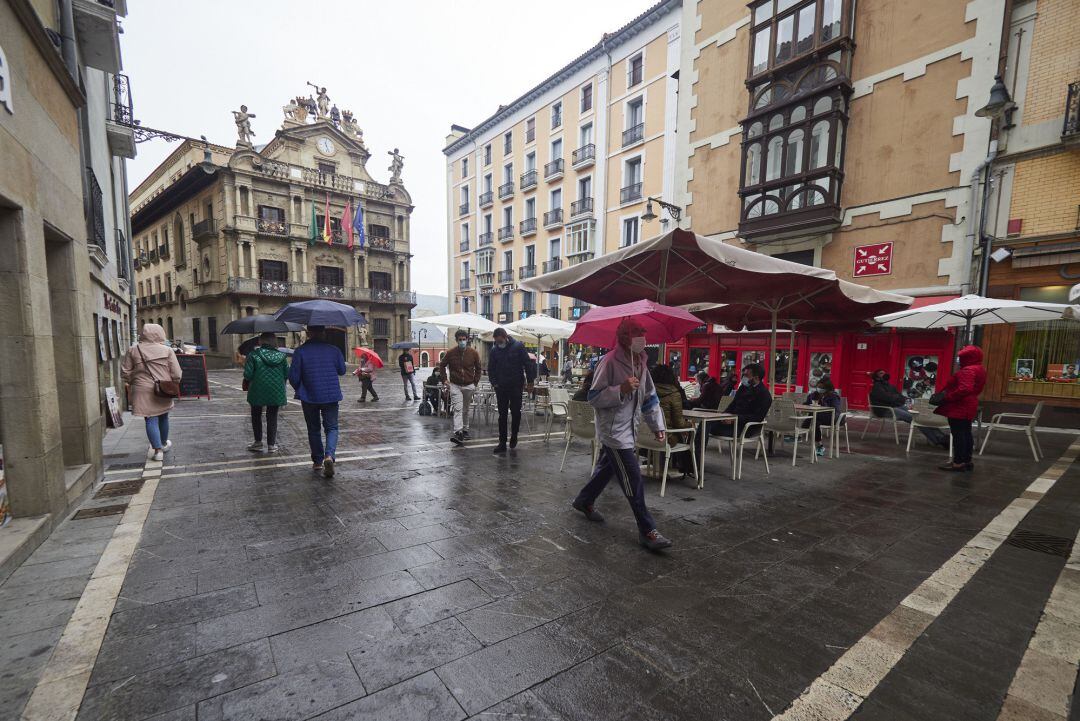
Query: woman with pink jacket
column 145, row 363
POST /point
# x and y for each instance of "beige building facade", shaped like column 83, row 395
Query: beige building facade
column 220, row 233
column 562, row 173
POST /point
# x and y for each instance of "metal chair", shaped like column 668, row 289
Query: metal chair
column 1028, row 429
column 647, row 441
column 783, row 420
column 839, row 423
column 926, row 418
column 737, row 444
column 557, row 407
column 888, row 413
column 580, row 423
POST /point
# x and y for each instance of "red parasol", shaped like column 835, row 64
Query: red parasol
column 662, row 323
column 370, row 355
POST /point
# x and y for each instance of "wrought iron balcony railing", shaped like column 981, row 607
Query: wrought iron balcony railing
column 204, row 229
column 553, row 218
column 526, row 271
column 528, row 179
column 268, row 226
column 630, row 193
column 528, row 226
column 122, row 112
column 486, row 199
column 95, row 211
column 633, row 135
column 553, row 312
column 553, row 169
column 506, row 276
column 463, row 246
column 506, row 190
column 506, row 233
column 584, row 155
column 463, row 284
column 484, row 240
column 551, row 265
column 581, row 207
column 463, row 209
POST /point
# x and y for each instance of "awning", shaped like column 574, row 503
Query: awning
column 1049, row 254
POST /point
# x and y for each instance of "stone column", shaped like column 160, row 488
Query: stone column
column 303, row 265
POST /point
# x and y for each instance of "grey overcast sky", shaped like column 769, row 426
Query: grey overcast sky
column 406, row 69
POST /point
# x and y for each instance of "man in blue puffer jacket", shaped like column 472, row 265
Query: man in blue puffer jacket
column 314, row 373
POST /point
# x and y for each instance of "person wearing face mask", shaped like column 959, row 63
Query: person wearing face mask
column 623, row 393
column 883, row 395
column 751, row 402
column 509, row 370
column 461, row 366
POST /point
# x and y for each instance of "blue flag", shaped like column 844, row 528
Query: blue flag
column 358, row 225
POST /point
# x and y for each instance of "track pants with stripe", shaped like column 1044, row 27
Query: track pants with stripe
column 621, row 463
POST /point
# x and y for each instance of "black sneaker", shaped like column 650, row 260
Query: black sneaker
column 499, row 449
column 591, row 513
column 513, row 441
column 654, row 541
column 466, row 436
column 458, row 439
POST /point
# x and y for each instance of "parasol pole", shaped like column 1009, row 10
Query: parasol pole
column 791, row 353
column 772, row 354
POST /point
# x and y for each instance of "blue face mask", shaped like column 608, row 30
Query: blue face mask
column 461, row 344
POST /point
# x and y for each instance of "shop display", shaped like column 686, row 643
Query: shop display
column 820, row 368
column 920, row 376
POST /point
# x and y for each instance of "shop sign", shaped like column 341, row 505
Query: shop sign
column 5, row 84
column 111, row 303
column 873, row 259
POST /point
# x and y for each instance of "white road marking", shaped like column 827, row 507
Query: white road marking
column 838, row 692
column 59, row 692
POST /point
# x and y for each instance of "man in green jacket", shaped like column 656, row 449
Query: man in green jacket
column 264, row 378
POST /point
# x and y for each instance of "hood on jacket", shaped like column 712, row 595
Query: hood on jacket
column 271, row 356
column 152, row 333
column 970, row 355
column 666, row 389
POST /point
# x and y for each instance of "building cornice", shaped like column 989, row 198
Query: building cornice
column 36, row 30
column 608, row 42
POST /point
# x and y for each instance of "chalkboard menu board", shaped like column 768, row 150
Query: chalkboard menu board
column 193, row 382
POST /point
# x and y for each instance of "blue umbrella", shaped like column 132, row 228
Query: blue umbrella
column 321, row 312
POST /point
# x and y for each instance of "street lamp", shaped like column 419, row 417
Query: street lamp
column 422, row 333
column 673, row 210
column 1000, row 104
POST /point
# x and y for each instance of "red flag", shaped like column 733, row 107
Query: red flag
column 346, row 223
column 327, row 236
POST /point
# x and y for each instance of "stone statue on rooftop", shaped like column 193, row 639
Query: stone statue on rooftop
column 244, row 133
column 322, row 100
column 397, row 162
column 348, row 124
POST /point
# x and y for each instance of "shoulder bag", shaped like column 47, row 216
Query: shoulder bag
column 162, row 389
column 937, row 399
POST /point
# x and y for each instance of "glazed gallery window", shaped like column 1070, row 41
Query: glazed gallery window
column 579, row 238
column 330, row 276
column 273, row 270
column 786, row 29
column 485, row 263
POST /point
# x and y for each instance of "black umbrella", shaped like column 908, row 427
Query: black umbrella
column 405, row 345
column 321, row 312
column 260, row 324
column 251, row 343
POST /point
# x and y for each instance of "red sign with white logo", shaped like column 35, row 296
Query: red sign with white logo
column 873, row 259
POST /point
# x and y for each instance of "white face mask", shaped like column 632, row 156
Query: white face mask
column 500, row 344
column 637, row 344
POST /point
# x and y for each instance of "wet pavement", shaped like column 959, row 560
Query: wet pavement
column 427, row 582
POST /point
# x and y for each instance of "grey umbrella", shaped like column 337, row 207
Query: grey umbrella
column 251, row 324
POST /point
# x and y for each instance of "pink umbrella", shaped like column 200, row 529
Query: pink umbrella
column 662, row 323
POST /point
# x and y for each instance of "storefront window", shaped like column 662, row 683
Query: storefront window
column 920, row 375
column 699, row 361
column 675, row 361
column 820, row 368
column 753, row 356
column 1046, row 355
column 782, row 366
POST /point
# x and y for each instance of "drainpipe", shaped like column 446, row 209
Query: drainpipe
column 129, row 251
column 976, row 221
column 67, row 36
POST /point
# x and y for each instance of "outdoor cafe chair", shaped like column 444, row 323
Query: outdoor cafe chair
column 783, row 420
column 737, row 445
column 923, row 416
column 724, row 403
column 839, row 425
column 646, row 441
column 883, row 414
column 557, row 407
column 1028, row 429
column 581, row 423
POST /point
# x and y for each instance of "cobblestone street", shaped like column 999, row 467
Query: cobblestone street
column 425, row 582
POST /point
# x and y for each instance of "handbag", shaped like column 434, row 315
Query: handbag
column 408, row 367
column 937, row 399
column 162, row 389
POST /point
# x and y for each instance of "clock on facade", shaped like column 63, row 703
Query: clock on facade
column 325, row 146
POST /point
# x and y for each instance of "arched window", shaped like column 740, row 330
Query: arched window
column 776, row 121
column 424, row 359
column 753, row 164
column 794, row 153
column 798, row 114
column 773, row 159
column 178, row 241
column 823, row 105
column 754, row 131
column 819, row 145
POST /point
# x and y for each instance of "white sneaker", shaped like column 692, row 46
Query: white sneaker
column 159, row 455
column 167, row 447
column 272, row 449
column 150, row 452
column 255, row 446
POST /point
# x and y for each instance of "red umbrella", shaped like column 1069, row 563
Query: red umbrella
column 369, row 355
column 662, row 323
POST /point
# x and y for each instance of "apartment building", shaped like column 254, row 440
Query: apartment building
column 220, row 233
column 562, row 173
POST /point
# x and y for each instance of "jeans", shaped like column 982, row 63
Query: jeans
column 460, row 398
column 157, row 430
column 409, row 379
column 271, row 423
column 327, row 413
column 621, row 462
column 508, row 399
column 963, row 441
column 935, row 436
column 365, row 385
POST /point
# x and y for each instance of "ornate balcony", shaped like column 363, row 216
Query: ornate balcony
column 484, row 240
column 633, row 135
column 630, row 193
column 581, row 208
column 506, row 190
column 381, row 243
column 552, row 265
column 554, row 169
column 204, row 230
column 271, row 227
column 334, row 292
column 327, row 181
column 506, row 276
column 528, row 179
column 526, row 271
column 463, row 209
column 381, row 295
column 486, row 199
column 528, row 227
column 506, row 233
column 553, row 218
column 583, row 156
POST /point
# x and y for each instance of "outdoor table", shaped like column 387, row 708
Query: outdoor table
column 811, row 411
column 703, row 417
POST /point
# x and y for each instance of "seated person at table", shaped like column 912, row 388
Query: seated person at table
column 825, row 395
column 672, row 397
column 728, row 382
column 884, row 394
column 583, row 392
column 751, row 403
column 710, row 393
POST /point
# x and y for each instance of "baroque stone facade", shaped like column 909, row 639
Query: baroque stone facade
column 220, row 233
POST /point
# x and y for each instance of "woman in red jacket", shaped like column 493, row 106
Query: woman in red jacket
column 961, row 405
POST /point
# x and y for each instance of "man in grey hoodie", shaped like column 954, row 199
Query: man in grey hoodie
column 622, row 392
